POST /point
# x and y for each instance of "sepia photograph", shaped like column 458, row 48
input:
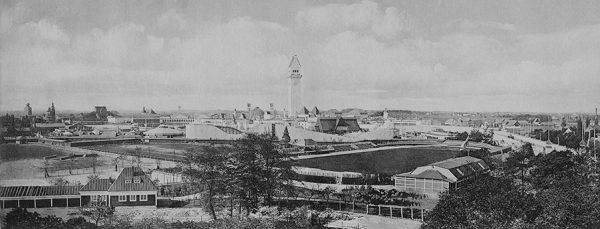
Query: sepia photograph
column 299, row 114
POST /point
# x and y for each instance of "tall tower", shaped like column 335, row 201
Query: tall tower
column 295, row 91
column 27, row 110
column 51, row 114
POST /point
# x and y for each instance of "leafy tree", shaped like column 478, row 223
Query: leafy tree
column 518, row 162
column 490, row 202
column 259, row 169
column 206, row 169
column 98, row 213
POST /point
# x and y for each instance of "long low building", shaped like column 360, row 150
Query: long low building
column 39, row 196
column 442, row 176
column 211, row 132
column 131, row 188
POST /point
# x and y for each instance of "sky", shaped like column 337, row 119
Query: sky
column 435, row 55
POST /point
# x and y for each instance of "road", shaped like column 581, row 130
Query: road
column 538, row 146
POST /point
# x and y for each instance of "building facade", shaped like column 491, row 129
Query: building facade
column 131, row 188
column 435, row 178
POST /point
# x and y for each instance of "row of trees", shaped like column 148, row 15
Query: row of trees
column 247, row 174
column 555, row 190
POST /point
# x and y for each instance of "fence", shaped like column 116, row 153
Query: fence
column 404, row 212
column 89, row 171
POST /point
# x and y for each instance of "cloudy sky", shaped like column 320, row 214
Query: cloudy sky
column 479, row 55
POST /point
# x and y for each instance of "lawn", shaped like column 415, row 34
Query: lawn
column 388, row 161
column 14, row 152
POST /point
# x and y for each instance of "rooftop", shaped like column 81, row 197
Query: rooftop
column 21, row 191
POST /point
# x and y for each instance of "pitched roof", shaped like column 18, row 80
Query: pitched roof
column 455, row 162
column 97, row 185
column 462, row 166
column 131, row 174
column 21, row 191
column 315, row 111
column 428, row 174
column 294, row 63
column 327, row 124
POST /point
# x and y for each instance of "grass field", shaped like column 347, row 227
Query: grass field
column 388, row 161
column 14, row 152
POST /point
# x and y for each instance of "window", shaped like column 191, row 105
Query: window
column 410, row 182
column 143, row 197
column 132, row 198
column 127, row 181
column 122, row 198
column 137, row 181
column 429, row 185
column 94, row 198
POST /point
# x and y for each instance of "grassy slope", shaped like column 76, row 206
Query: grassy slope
column 385, row 161
column 13, row 152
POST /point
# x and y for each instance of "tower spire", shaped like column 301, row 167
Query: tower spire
column 295, row 91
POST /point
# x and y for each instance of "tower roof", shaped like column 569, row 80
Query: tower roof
column 294, row 63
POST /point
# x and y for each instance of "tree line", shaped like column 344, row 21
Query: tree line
column 555, row 190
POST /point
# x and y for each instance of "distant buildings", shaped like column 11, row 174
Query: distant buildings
column 28, row 110
column 211, row 132
column 176, row 120
column 51, row 114
column 337, row 125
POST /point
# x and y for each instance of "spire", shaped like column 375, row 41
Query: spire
column 294, row 63
column 286, row 136
column 316, row 111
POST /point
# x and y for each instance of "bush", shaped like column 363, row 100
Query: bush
column 21, row 218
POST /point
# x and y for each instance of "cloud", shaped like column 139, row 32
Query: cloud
column 475, row 25
column 363, row 54
column 171, row 20
column 233, row 59
column 363, row 16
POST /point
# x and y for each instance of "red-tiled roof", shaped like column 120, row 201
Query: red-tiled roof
column 21, row 191
column 131, row 174
column 97, row 185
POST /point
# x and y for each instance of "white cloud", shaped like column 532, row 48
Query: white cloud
column 171, row 20
column 352, row 56
column 363, row 16
column 41, row 31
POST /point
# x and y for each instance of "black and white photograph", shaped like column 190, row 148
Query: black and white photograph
column 337, row 114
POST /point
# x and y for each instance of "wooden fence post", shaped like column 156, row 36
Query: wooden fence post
column 401, row 212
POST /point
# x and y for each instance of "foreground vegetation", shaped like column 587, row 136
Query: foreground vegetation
column 269, row 219
column 556, row 190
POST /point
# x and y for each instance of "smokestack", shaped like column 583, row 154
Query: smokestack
column 249, row 106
